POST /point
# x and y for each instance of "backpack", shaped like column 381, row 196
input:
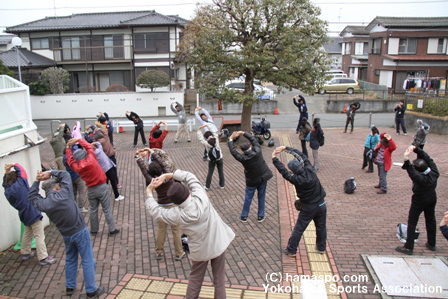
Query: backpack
column 402, row 233
column 350, row 185
column 322, row 140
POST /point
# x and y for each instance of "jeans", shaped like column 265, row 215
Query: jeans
column 317, row 213
column 250, row 191
column 80, row 243
column 428, row 208
column 383, row 177
column 398, row 122
column 142, row 135
column 211, row 169
column 366, row 160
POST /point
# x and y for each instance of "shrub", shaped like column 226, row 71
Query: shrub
column 57, row 79
column 39, row 88
column 153, row 79
column 86, row 89
column 117, row 88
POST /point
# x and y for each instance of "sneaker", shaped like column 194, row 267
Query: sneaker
column 369, row 171
column 377, row 186
column 26, row 257
column 222, row 188
column 398, row 134
column 432, row 248
column 381, row 192
column 119, row 186
column 179, row 258
column 159, row 256
column 97, row 293
column 405, row 134
column 135, row 145
column 69, row 291
column 113, row 233
column 320, row 251
column 175, row 141
column 84, row 210
column 207, row 189
column 93, row 233
column 286, row 252
column 121, row 197
column 260, row 219
column 48, row 261
column 243, row 219
column 404, row 250
column 205, row 159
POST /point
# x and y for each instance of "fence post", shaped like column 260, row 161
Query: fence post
column 370, row 119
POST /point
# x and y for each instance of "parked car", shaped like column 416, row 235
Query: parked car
column 264, row 93
column 348, row 85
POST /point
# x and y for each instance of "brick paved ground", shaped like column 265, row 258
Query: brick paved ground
column 360, row 223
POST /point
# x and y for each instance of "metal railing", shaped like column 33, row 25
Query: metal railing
column 434, row 105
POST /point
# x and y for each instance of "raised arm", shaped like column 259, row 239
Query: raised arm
column 296, row 153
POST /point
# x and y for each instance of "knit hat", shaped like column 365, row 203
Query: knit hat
column 295, row 165
column 178, row 193
column 79, row 154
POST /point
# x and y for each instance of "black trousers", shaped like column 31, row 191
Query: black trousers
column 350, row 120
column 142, row 134
column 317, row 213
column 111, row 137
column 366, row 161
column 428, row 208
column 111, row 175
column 400, row 122
column 304, row 150
column 211, row 169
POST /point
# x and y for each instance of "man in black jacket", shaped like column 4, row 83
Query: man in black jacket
column 256, row 171
column 311, row 195
column 424, row 174
column 139, row 127
column 400, row 108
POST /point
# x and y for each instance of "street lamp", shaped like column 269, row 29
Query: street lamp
column 17, row 42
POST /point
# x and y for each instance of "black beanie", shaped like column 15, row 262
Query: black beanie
column 178, row 193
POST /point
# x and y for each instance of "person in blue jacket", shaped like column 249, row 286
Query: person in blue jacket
column 371, row 141
column 15, row 183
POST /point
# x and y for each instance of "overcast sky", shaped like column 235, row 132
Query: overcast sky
column 338, row 13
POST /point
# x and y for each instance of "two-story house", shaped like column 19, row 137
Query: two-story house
column 355, row 51
column 402, row 48
column 101, row 49
column 333, row 48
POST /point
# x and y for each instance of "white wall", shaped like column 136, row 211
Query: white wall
column 81, row 106
column 393, row 46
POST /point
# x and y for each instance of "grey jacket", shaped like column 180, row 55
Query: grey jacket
column 60, row 205
column 181, row 116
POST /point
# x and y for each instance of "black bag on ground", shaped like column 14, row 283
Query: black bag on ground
column 402, row 233
column 350, row 185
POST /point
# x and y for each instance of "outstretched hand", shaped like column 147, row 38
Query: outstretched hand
column 72, row 141
column 408, row 151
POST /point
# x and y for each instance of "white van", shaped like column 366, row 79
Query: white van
column 335, row 74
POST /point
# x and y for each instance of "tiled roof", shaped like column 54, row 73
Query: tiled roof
column 334, row 45
column 411, row 22
column 6, row 39
column 355, row 30
column 416, row 57
column 98, row 20
column 27, row 58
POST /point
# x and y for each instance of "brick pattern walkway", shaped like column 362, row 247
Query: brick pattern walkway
column 360, row 223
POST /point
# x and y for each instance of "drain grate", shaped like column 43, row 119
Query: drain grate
column 415, row 277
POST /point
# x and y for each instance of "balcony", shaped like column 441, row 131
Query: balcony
column 93, row 53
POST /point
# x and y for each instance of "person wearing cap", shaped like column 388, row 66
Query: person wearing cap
column 179, row 110
column 310, row 193
column 424, row 175
column 420, row 134
column 61, row 208
column 383, row 160
column 208, row 235
column 256, row 171
column 15, row 183
column 84, row 162
column 157, row 136
column 58, row 145
column 215, row 158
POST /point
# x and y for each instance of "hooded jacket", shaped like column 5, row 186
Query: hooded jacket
column 255, row 168
column 387, row 152
column 17, row 195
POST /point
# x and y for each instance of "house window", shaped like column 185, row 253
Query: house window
column 154, row 42
column 71, row 48
column 113, row 47
column 376, row 46
column 407, row 46
column 40, row 43
column 347, row 48
column 440, row 46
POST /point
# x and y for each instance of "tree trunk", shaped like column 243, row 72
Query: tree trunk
column 246, row 123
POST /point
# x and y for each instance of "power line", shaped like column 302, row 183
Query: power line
column 194, row 3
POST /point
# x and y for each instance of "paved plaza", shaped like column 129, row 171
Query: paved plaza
column 360, row 223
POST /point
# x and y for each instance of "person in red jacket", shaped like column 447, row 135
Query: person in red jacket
column 83, row 162
column 157, row 136
column 383, row 160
